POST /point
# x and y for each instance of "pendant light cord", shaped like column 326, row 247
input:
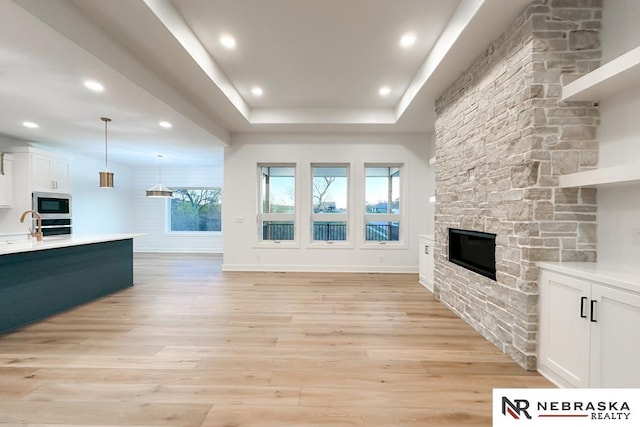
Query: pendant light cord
column 160, row 168
column 106, row 162
column 106, row 120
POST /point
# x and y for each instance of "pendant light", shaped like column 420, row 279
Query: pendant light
column 159, row 190
column 106, row 177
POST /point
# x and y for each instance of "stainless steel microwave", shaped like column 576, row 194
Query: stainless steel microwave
column 52, row 205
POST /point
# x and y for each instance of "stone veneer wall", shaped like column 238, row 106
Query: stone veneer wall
column 502, row 139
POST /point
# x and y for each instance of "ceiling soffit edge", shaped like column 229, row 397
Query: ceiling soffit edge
column 180, row 30
column 71, row 23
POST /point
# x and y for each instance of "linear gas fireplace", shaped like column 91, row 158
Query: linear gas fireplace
column 474, row 251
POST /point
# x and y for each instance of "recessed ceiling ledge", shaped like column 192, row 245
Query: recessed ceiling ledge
column 459, row 21
column 175, row 24
column 322, row 116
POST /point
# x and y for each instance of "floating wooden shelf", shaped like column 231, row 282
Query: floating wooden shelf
column 601, row 176
column 613, row 77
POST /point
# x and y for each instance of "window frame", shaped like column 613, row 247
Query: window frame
column 347, row 217
column 169, row 217
column 286, row 217
column 401, row 218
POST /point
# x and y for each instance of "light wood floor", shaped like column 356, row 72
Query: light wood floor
column 191, row 346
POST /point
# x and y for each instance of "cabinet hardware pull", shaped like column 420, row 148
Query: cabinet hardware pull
column 582, row 301
column 593, row 310
column 426, row 249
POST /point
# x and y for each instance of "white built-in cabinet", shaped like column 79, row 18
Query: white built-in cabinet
column 42, row 171
column 589, row 328
column 50, row 173
column 6, row 180
column 614, row 77
column 426, row 261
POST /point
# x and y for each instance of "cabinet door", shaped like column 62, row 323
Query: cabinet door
column 50, row 174
column 615, row 338
column 6, row 184
column 41, row 173
column 564, row 334
column 60, row 175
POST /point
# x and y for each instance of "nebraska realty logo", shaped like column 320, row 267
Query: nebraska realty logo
column 566, row 407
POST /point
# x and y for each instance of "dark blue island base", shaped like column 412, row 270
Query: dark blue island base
column 37, row 284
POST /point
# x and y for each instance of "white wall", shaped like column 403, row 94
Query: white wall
column 241, row 199
column 95, row 209
column 151, row 214
column 619, row 27
column 431, row 184
column 619, row 132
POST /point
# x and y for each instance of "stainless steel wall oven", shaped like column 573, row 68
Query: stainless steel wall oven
column 55, row 211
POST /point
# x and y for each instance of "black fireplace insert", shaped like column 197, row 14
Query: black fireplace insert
column 473, row 250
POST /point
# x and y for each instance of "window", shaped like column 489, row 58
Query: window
column 277, row 202
column 196, row 210
column 330, row 201
column 382, row 203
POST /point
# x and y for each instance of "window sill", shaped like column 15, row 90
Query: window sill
column 193, row 233
column 274, row 244
column 383, row 246
column 330, row 245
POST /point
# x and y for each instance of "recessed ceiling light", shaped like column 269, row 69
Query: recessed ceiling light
column 165, row 124
column 93, row 85
column 30, row 125
column 257, row 91
column 228, row 41
column 407, row 40
column 384, row 91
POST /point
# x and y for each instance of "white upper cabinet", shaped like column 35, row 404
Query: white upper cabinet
column 50, row 174
column 36, row 170
column 6, row 181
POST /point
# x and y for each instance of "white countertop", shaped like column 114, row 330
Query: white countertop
column 621, row 276
column 52, row 242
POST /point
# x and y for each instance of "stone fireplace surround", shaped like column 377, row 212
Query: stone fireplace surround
column 503, row 136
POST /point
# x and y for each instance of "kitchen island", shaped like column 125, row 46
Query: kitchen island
column 39, row 279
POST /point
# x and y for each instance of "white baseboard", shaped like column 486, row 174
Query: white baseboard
column 553, row 377
column 177, row 251
column 426, row 284
column 322, row 268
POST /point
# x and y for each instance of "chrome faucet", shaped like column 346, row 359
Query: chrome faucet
column 37, row 233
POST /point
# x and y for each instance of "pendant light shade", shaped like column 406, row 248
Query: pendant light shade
column 159, row 190
column 106, row 177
